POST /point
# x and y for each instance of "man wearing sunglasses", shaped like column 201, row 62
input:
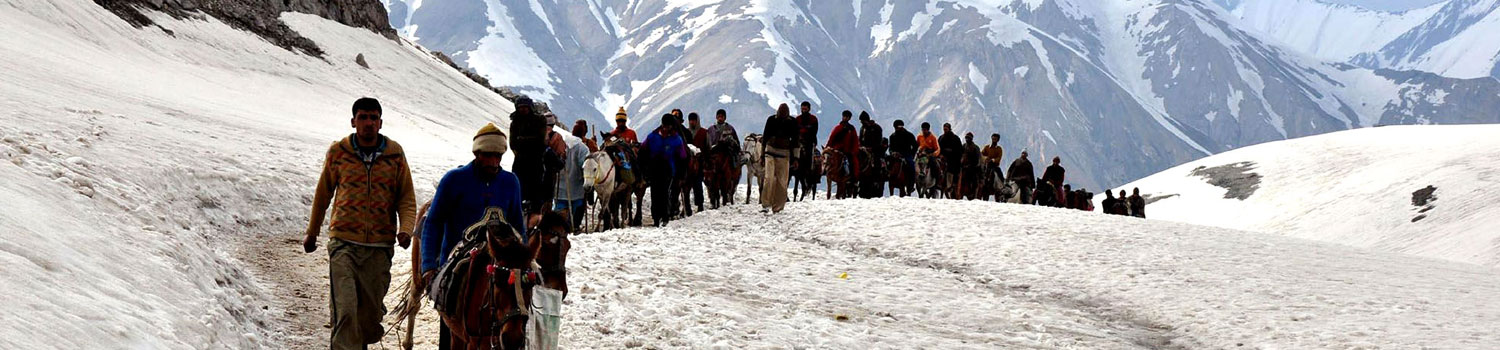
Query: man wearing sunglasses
column 368, row 181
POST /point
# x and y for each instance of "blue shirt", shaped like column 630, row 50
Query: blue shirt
column 665, row 150
column 460, row 201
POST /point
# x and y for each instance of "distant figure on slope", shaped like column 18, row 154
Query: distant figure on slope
column 1121, row 205
column 664, row 151
column 529, row 141
column 994, row 155
column 780, row 137
column 805, row 166
column 723, row 156
column 845, row 140
column 1054, row 175
column 367, row 179
column 1109, row 203
column 872, row 144
column 953, row 155
column 1137, row 204
column 903, row 143
column 693, row 187
column 569, row 193
column 969, row 173
column 1023, row 176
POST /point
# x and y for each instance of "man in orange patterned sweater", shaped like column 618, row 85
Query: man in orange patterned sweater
column 368, row 181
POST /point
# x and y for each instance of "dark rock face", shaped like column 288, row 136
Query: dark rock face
column 1236, row 177
column 262, row 17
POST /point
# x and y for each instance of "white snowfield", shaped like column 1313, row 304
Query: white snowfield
column 1355, row 188
column 142, row 169
column 138, row 164
column 945, row 274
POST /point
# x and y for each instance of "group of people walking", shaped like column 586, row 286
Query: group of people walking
column 367, row 182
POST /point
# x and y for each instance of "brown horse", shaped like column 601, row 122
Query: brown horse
column 491, row 275
column 836, row 167
column 807, row 172
column 721, row 174
column 968, row 183
column 901, row 181
column 550, row 244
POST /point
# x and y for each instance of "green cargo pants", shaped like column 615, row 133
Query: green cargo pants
column 358, row 277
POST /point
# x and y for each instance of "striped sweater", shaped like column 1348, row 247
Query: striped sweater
column 369, row 197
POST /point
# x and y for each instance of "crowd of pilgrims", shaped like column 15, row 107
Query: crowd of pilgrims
column 857, row 161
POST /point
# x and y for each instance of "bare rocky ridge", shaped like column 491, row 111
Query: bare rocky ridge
column 262, row 17
column 1237, row 178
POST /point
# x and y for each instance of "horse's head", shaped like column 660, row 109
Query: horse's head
column 550, row 244
column 502, row 240
column 597, row 169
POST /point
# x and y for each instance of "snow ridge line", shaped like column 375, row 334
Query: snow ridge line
column 1138, row 329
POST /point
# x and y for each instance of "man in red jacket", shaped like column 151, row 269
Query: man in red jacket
column 845, row 139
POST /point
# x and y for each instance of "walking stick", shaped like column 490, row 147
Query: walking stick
column 414, row 298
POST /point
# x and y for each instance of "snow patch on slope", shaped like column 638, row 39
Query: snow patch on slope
column 1355, row 188
column 978, row 78
column 504, row 56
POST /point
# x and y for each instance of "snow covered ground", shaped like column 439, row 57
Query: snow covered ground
column 156, row 186
column 1352, row 187
column 911, row 273
column 145, row 171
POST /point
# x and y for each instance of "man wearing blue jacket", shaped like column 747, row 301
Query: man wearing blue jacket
column 665, row 151
column 463, row 196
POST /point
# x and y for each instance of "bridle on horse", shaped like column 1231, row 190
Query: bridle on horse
column 607, row 173
column 493, row 219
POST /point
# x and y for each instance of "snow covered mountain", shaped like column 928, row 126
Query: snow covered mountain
column 1328, row 31
column 1452, row 38
column 154, row 176
column 157, row 178
column 1119, row 88
column 1421, row 190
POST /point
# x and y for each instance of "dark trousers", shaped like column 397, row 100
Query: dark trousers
column 662, row 201
column 696, row 182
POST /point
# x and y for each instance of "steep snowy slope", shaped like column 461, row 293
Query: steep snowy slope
column 1328, row 31
column 1457, row 41
column 1451, row 38
column 141, row 163
column 1421, row 190
column 909, row 273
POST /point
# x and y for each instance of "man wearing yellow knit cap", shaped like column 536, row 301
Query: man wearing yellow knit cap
column 621, row 131
column 463, row 196
column 366, row 178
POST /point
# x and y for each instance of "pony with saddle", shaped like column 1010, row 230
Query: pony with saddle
column 721, row 173
column 496, row 290
column 902, row 182
column 807, row 172
column 929, row 182
column 629, row 180
column 836, row 167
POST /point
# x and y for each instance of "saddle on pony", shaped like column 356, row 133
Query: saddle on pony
column 462, row 288
column 623, row 154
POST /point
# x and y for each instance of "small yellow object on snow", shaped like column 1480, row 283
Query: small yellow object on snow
column 844, row 275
